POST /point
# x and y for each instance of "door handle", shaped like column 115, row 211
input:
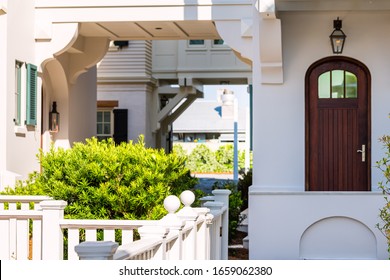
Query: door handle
column 363, row 151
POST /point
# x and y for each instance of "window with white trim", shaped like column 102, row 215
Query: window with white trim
column 18, row 92
column 104, row 124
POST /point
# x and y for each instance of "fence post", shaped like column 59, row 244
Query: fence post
column 202, row 235
column 155, row 233
column 175, row 225
column 52, row 237
column 215, row 228
column 222, row 195
column 190, row 216
column 96, row 250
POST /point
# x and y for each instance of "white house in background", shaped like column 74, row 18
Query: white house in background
column 316, row 115
column 211, row 121
column 211, row 125
column 138, row 84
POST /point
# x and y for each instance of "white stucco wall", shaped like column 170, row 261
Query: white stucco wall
column 282, row 220
column 279, row 112
column 21, row 147
column 3, row 85
column 280, row 210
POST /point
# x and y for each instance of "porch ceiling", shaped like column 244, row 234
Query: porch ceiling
column 147, row 30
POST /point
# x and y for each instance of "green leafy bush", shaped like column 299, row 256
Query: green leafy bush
column 244, row 182
column 384, row 166
column 179, row 151
column 101, row 180
column 202, row 159
column 224, row 156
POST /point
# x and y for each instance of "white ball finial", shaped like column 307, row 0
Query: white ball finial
column 171, row 204
column 187, row 198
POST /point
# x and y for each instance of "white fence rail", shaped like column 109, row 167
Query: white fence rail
column 33, row 227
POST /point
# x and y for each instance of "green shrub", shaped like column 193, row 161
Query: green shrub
column 384, row 166
column 101, row 180
column 244, row 182
column 224, row 156
column 179, row 151
column 202, row 159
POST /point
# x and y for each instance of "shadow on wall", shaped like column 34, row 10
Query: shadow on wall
column 338, row 238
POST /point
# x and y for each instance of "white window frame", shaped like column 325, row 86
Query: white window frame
column 104, row 135
column 18, row 93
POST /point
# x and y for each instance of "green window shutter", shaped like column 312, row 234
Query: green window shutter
column 32, row 76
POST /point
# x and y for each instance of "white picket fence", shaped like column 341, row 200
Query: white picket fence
column 33, row 227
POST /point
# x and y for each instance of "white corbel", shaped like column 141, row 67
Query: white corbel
column 271, row 51
column 270, row 35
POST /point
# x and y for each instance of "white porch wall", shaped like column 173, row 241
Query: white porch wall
column 279, row 110
column 82, row 107
column 283, row 218
column 21, row 148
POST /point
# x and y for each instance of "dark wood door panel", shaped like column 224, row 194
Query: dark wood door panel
column 336, row 128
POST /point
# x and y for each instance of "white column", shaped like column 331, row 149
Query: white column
column 52, row 237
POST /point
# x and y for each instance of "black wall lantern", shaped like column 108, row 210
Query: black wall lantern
column 54, row 119
column 121, row 44
column 337, row 38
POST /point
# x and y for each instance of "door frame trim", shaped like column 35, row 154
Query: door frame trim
column 335, row 59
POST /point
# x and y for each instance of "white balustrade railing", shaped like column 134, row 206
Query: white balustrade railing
column 33, row 227
column 20, row 225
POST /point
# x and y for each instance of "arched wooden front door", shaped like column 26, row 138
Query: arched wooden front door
column 338, row 125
